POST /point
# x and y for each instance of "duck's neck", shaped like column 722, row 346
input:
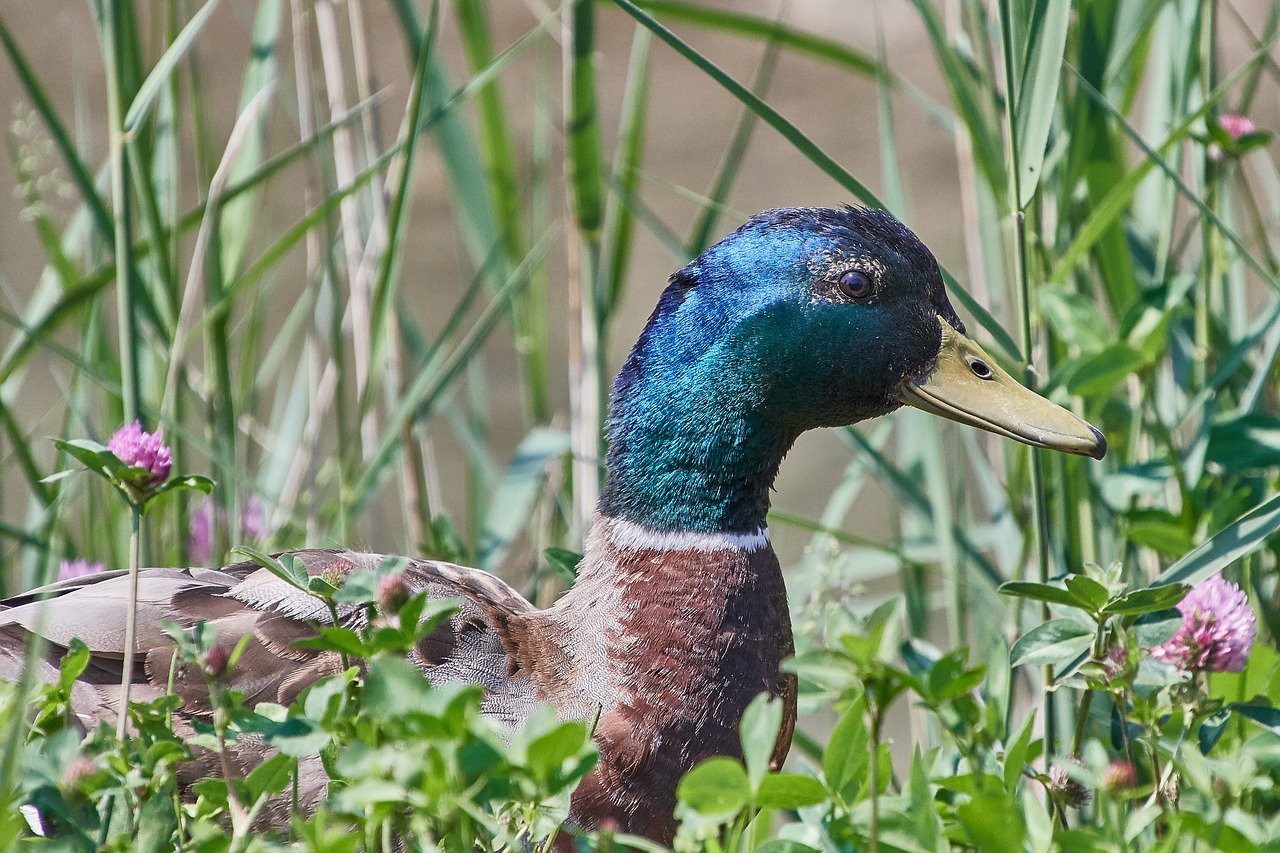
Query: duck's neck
column 689, row 452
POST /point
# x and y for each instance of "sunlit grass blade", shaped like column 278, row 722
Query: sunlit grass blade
column 514, row 495
column 1238, row 539
column 158, row 77
column 240, row 213
column 771, row 116
column 386, row 278
column 1037, row 94
column 732, row 159
column 823, row 161
column 619, row 219
column 1187, row 192
column 966, row 95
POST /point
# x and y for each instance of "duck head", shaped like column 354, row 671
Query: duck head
column 801, row 318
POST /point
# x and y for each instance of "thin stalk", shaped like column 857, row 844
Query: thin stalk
column 873, row 772
column 1210, row 237
column 1039, row 526
column 1082, row 714
column 131, row 622
column 586, row 181
column 119, row 165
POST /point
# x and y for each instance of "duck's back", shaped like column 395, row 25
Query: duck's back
column 474, row 645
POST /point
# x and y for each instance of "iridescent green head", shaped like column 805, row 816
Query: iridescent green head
column 801, row 318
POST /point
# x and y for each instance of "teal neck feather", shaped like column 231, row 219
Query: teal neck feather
column 690, row 448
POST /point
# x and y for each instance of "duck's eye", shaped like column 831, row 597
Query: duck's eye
column 981, row 369
column 855, row 284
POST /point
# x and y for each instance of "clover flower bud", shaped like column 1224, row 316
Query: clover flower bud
column 1116, row 660
column 138, row 448
column 1067, row 791
column 1120, row 776
column 392, row 594
column 1217, row 632
column 215, row 660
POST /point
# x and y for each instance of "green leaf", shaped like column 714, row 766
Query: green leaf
column 564, row 562
column 1038, row 92
column 783, row 845
column 1056, row 642
column 298, row 737
column 1211, row 731
column 1263, row 714
column 958, row 686
column 828, row 670
column 1246, row 442
column 789, row 791
column 1152, row 629
column 157, row 825
column 759, row 734
column 288, row 567
column 1038, row 592
column 1166, row 536
column 718, row 787
column 181, row 483
column 1091, row 595
column 90, row 454
column 1017, row 755
column 548, row 753
column 845, row 759
column 164, row 67
column 993, row 821
column 1147, row 600
column 394, row 687
column 1238, row 539
column 1096, row 375
column 271, row 776
column 73, row 664
column 341, row 640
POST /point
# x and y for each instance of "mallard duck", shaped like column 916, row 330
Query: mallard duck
column 802, row 318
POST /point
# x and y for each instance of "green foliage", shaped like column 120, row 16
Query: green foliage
column 404, row 759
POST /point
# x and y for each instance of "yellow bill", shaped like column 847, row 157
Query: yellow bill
column 968, row 386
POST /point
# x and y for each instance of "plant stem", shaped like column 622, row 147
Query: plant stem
column 1082, row 722
column 873, row 766
column 131, row 622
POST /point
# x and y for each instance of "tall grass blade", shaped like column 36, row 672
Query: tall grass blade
column 388, row 272
column 731, row 161
column 165, row 66
column 1037, row 95
column 1233, row 542
column 628, row 157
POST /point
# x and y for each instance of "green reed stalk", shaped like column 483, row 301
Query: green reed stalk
column 113, row 36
